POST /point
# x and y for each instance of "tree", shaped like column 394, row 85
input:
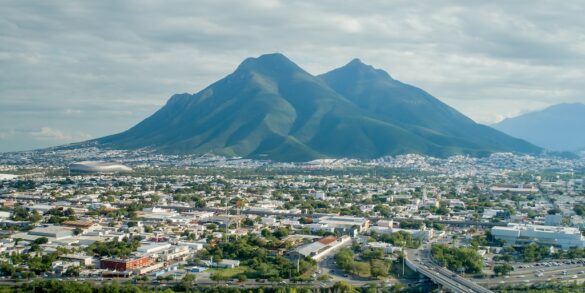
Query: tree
column 280, row 233
column 41, row 240
column 324, row 277
column 459, row 258
column 187, row 282
column 361, row 269
column 343, row 286
column 503, row 269
column 379, row 268
column 77, row 231
column 72, row 271
column 218, row 277
column 344, row 259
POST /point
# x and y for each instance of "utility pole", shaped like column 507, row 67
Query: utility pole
column 403, row 259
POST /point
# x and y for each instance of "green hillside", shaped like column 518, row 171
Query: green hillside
column 271, row 108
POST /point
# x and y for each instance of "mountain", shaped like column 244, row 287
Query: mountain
column 558, row 127
column 411, row 108
column 271, row 108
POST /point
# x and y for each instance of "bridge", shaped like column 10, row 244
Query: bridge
column 442, row 276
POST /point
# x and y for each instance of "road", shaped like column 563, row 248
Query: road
column 442, row 276
column 533, row 275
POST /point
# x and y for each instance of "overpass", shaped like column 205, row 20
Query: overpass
column 442, row 276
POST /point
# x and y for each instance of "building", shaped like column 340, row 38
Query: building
column 345, row 224
column 228, row 263
column 494, row 213
column 385, row 223
column 520, row 188
column 387, row 247
column 84, row 225
column 98, row 167
column 79, row 258
column 153, row 248
column 320, row 248
column 563, row 237
column 125, row 264
column 320, row 195
column 55, row 232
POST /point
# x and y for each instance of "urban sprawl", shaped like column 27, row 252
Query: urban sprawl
column 134, row 218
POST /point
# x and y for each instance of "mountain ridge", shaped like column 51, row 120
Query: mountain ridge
column 557, row 127
column 270, row 107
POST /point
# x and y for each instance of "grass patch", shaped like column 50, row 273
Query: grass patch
column 227, row 274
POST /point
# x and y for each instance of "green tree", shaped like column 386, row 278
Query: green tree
column 503, row 269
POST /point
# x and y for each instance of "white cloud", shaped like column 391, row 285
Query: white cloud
column 98, row 67
column 48, row 133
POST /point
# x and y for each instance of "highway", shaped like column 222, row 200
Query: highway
column 534, row 275
column 442, row 276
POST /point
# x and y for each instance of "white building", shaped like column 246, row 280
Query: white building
column 153, row 248
column 564, row 237
column 520, row 188
column 320, row 195
column 319, row 249
column 56, row 232
column 387, row 247
column 345, row 224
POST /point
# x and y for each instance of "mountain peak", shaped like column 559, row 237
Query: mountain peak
column 359, row 68
column 272, row 60
column 355, row 61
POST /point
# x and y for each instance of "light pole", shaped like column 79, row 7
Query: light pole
column 403, row 260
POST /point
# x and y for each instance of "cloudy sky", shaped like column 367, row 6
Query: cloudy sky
column 84, row 69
